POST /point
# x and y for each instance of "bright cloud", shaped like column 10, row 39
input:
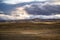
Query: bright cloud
column 19, row 1
column 6, row 17
column 57, row 0
column 15, row 1
column 40, row 0
column 10, row 17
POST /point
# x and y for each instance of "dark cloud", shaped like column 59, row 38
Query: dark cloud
column 1, row 1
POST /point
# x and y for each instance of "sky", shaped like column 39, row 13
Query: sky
column 20, row 1
column 9, row 5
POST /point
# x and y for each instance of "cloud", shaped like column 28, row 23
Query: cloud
column 17, row 14
column 57, row 16
column 1, row 12
column 6, row 17
column 57, row 2
column 20, row 1
column 14, row 1
column 20, row 13
column 10, row 17
column 53, row 0
column 26, row 15
column 41, row 0
column 0, row 0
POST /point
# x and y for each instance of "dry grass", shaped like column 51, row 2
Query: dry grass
column 30, row 31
